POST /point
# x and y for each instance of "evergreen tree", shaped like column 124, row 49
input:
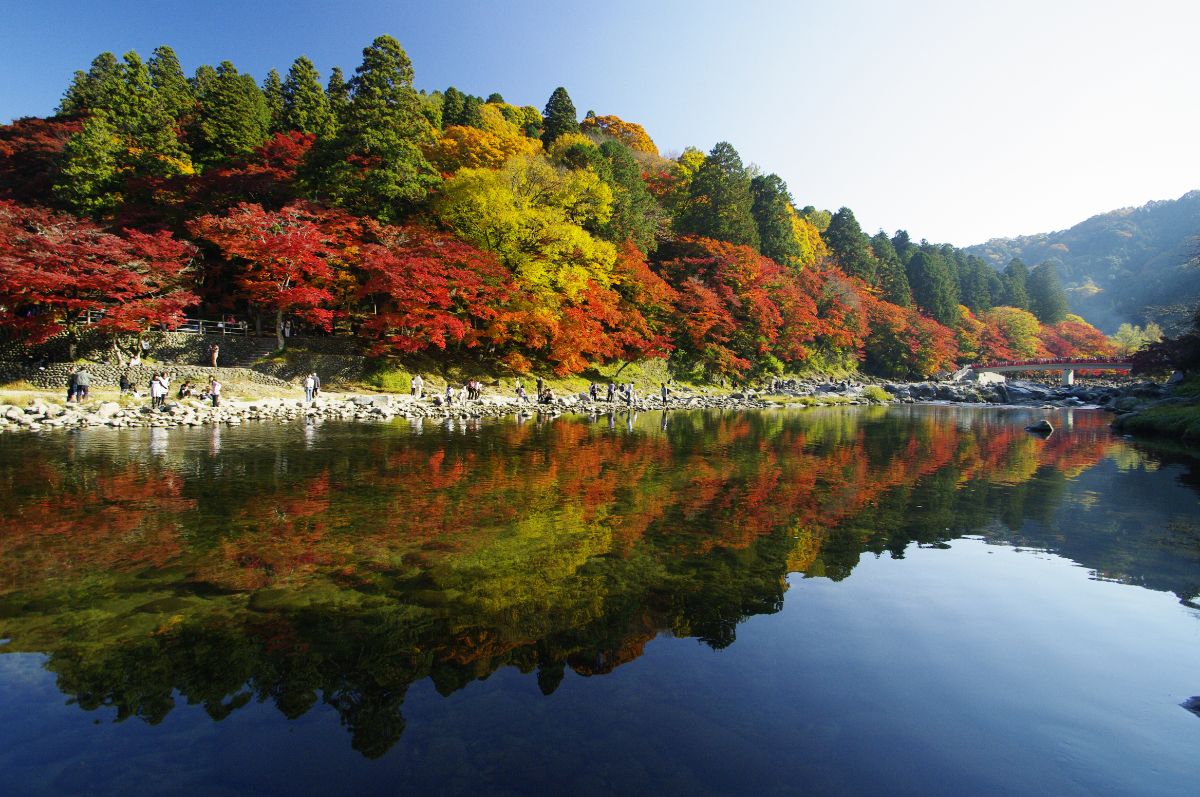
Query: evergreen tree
column 174, row 92
column 453, row 101
column 472, row 113
column 337, row 91
column 101, row 87
column 1016, row 291
column 383, row 125
column 932, row 283
column 148, row 126
column 635, row 213
column 890, row 273
column 272, row 90
column 203, row 82
column 904, row 246
column 850, row 246
column 232, row 118
column 1047, row 299
column 770, row 208
column 305, row 105
column 560, row 117
column 495, row 99
column 974, row 288
column 88, row 180
column 719, row 203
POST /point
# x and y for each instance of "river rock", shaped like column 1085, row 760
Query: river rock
column 108, row 409
column 1041, row 427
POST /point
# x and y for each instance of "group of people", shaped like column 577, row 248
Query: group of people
column 160, row 383
column 312, row 387
column 78, row 384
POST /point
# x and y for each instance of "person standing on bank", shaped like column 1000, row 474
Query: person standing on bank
column 83, row 381
column 72, row 384
column 665, row 392
column 316, row 384
column 214, row 390
column 308, row 389
column 417, row 385
column 213, row 352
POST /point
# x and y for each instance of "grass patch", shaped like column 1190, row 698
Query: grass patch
column 1182, row 423
column 876, row 393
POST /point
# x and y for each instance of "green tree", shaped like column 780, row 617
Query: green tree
column 560, row 117
column 152, row 145
column 771, row 208
column 974, row 283
column 272, row 90
column 472, row 113
column 1047, row 299
column 890, row 273
column 494, row 98
column 374, row 164
column 305, row 105
column 904, row 246
column 89, row 175
column 932, row 283
column 453, row 101
column 1016, row 291
column 636, row 216
column 203, row 82
column 102, row 86
column 174, row 93
column 337, row 91
column 1129, row 337
column 817, row 218
column 850, row 246
column 719, row 201
column 232, row 118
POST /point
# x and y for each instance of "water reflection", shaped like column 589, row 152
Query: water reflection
column 342, row 564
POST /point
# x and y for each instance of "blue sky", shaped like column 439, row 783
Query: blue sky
column 958, row 121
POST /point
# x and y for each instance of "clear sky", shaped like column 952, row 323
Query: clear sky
column 957, row 120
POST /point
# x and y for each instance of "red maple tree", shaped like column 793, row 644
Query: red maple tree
column 58, row 272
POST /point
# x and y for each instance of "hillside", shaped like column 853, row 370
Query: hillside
column 1130, row 264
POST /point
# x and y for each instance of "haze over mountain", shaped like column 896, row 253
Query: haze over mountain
column 1132, row 264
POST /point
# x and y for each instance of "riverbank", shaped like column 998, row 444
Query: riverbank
column 1175, row 415
column 33, row 410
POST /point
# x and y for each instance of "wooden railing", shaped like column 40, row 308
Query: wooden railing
column 196, row 326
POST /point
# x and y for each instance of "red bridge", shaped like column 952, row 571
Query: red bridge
column 1067, row 365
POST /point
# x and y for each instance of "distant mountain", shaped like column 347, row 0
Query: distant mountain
column 1133, row 264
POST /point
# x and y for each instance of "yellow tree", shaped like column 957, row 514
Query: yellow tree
column 631, row 134
column 533, row 216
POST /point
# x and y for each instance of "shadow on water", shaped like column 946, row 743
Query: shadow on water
column 341, row 564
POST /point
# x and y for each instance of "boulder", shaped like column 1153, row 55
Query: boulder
column 108, row 409
column 1041, row 427
column 373, row 401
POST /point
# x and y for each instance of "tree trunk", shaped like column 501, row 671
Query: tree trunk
column 279, row 330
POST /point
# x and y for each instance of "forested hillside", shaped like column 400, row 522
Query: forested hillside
column 438, row 222
column 1134, row 265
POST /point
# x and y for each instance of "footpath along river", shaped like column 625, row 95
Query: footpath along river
column 912, row 599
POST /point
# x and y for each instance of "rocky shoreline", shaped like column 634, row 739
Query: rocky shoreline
column 44, row 415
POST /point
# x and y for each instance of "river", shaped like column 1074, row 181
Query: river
column 906, row 600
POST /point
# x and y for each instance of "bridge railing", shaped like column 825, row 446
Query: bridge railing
column 1054, row 362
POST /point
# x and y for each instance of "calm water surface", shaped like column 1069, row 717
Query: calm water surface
column 914, row 601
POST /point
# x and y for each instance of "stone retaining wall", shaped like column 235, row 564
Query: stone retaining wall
column 54, row 377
